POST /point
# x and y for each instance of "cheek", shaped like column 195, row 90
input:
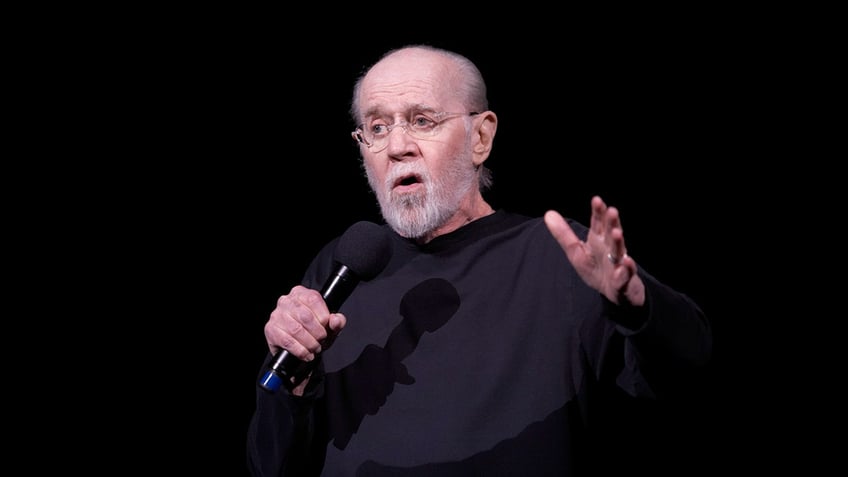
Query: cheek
column 458, row 142
column 374, row 168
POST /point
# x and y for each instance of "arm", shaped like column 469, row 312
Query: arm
column 666, row 333
column 281, row 429
column 280, row 432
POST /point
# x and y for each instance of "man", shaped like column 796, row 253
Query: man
column 482, row 345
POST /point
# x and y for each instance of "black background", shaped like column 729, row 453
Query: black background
column 230, row 163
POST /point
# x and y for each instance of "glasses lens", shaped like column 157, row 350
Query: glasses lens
column 421, row 127
column 378, row 143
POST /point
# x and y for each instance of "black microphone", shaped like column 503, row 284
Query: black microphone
column 362, row 252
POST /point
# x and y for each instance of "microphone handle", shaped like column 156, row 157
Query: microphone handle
column 285, row 368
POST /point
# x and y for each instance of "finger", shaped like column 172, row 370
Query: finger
column 621, row 277
column 598, row 219
column 287, row 332
column 279, row 338
column 311, row 310
column 611, row 218
column 615, row 236
column 296, row 323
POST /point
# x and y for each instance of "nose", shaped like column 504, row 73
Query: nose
column 402, row 125
column 399, row 143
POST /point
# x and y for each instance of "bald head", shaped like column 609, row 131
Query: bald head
column 441, row 76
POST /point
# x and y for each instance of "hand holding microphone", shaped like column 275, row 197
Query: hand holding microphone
column 362, row 252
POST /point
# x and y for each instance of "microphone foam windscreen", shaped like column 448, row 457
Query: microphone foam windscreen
column 364, row 248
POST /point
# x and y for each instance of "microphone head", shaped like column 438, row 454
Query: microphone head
column 364, row 248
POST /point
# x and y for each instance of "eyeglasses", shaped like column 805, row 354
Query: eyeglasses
column 422, row 126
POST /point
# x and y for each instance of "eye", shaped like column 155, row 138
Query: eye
column 379, row 129
column 423, row 123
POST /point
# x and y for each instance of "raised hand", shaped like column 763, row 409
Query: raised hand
column 602, row 260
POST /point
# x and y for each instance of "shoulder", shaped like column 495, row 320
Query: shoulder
column 535, row 226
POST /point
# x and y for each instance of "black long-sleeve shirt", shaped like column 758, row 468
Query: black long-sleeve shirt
column 479, row 353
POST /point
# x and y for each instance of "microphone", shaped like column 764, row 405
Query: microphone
column 362, row 252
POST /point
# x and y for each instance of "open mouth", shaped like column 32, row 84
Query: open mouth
column 407, row 181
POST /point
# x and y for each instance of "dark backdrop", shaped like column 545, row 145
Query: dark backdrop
column 237, row 165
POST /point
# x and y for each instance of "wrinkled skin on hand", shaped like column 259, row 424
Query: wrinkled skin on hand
column 602, row 260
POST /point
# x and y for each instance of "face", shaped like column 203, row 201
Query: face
column 420, row 183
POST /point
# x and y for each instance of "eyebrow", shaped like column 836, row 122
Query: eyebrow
column 377, row 111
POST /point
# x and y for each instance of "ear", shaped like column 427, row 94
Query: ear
column 485, row 126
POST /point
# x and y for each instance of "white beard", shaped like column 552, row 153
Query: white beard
column 415, row 214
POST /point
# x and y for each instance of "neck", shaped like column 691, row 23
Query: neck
column 477, row 209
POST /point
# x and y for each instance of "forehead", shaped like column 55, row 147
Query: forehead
column 412, row 80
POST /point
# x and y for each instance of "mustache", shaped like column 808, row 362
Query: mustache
column 405, row 172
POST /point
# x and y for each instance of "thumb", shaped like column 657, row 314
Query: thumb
column 560, row 229
column 337, row 322
column 334, row 327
